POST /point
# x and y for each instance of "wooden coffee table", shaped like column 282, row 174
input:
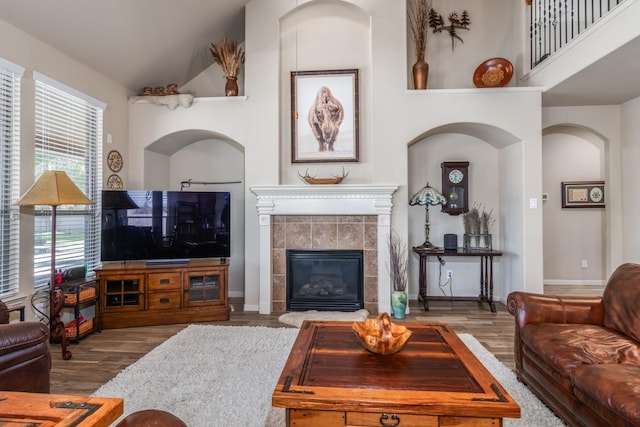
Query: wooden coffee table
column 56, row 410
column 331, row 380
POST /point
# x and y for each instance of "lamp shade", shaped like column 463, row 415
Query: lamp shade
column 53, row 188
column 427, row 196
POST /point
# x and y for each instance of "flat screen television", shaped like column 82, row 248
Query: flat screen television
column 165, row 225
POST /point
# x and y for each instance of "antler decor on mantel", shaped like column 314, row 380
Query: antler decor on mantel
column 456, row 23
column 335, row 179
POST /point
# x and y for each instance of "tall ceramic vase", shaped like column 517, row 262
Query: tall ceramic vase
column 420, row 75
column 399, row 304
column 231, row 87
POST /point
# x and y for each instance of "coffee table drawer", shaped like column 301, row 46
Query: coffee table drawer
column 377, row 419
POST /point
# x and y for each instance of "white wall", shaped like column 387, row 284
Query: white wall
column 604, row 122
column 572, row 235
column 630, row 152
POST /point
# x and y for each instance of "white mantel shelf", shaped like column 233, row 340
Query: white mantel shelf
column 340, row 199
column 324, row 199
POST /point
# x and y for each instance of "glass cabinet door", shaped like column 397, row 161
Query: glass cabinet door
column 123, row 293
column 203, row 288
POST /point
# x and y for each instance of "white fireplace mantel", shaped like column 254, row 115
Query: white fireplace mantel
column 357, row 199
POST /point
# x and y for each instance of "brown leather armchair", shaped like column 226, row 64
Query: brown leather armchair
column 25, row 361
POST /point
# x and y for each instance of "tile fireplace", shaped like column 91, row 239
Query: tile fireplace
column 311, row 216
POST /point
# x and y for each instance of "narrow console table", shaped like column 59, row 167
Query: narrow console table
column 486, row 271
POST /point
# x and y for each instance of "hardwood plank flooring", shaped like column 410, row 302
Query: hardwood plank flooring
column 101, row 356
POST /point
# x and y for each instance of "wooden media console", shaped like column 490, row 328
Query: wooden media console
column 141, row 295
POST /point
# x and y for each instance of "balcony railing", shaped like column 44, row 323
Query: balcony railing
column 554, row 23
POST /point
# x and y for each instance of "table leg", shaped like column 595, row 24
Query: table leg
column 490, row 267
column 483, row 284
column 422, row 282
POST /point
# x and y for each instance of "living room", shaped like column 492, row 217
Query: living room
column 260, row 154
column 506, row 133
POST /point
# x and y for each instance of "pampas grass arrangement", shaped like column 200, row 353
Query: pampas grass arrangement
column 418, row 13
column 398, row 263
column 229, row 56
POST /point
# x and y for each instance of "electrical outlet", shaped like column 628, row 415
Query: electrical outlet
column 449, row 274
column 585, row 264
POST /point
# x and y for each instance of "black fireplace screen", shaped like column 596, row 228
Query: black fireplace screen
column 325, row 280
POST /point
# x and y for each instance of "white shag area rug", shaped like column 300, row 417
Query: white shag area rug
column 212, row 376
column 295, row 318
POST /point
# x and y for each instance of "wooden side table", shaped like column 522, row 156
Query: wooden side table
column 50, row 410
column 19, row 309
column 486, row 271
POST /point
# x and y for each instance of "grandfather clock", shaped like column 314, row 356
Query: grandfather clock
column 455, row 187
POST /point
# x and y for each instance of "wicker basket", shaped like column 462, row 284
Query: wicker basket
column 85, row 294
column 70, row 328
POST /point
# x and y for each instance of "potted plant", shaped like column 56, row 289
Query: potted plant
column 418, row 16
column 230, row 57
column 398, row 272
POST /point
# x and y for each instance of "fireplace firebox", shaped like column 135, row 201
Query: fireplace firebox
column 325, row 280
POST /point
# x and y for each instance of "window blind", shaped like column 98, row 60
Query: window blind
column 10, row 75
column 68, row 133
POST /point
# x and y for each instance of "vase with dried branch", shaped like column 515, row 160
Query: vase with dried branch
column 398, row 272
column 476, row 224
column 230, row 57
column 418, row 17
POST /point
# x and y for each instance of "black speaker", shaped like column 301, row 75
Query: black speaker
column 450, row 242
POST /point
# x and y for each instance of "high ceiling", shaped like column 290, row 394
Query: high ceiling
column 141, row 43
column 136, row 43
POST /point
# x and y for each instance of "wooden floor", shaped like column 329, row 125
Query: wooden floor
column 101, row 356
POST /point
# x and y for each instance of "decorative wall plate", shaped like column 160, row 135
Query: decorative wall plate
column 494, row 72
column 114, row 182
column 114, row 161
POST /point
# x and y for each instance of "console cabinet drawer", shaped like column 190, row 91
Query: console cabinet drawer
column 162, row 300
column 163, row 281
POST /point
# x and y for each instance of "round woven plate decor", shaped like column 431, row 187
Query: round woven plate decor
column 494, row 72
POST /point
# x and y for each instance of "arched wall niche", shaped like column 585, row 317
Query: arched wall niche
column 212, row 162
column 574, row 152
column 319, row 36
column 496, row 182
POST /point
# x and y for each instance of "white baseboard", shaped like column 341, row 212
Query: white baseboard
column 574, row 282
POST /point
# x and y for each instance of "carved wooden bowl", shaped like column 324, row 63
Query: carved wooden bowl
column 380, row 336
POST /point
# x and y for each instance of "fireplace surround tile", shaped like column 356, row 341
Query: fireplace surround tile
column 324, row 236
column 323, row 232
column 279, row 261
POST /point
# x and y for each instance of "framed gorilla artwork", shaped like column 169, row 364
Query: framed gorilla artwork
column 324, row 116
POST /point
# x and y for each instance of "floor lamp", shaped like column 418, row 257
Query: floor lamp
column 54, row 188
column 426, row 197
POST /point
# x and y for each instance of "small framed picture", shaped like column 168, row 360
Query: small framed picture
column 324, row 116
column 583, row 194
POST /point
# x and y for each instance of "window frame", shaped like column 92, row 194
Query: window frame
column 10, row 95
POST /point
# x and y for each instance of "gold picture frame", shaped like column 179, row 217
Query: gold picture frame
column 583, row 194
column 324, row 116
